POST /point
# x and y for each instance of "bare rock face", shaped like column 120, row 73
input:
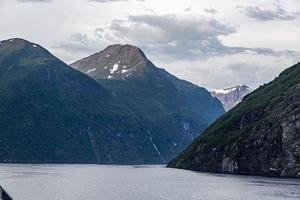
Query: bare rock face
column 115, row 62
column 230, row 97
column 260, row 136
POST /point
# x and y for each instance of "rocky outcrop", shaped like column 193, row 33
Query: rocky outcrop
column 230, row 97
column 261, row 136
column 116, row 62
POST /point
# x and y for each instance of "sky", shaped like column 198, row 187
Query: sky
column 212, row 43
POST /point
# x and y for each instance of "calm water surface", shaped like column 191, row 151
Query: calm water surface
column 98, row 182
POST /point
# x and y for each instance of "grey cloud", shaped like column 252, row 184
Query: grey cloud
column 188, row 9
column 190, row 37
column 183, row 38
column 261, row 14
column 252, row 72
column 167, row 37
column 106, row 1
column 79, row 46
column 37, row 1
column 211, row 11
column 80, row 43
column 271, row 52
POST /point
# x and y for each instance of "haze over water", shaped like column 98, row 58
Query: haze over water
column 98, row 182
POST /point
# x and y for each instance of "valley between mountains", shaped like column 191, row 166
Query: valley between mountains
column 117, row 107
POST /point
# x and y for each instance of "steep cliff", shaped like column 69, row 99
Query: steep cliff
column 260, row 136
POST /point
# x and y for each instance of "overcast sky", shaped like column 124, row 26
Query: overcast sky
column 212, row 43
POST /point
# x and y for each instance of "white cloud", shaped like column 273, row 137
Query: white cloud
column 198, row 43
column 228, row 70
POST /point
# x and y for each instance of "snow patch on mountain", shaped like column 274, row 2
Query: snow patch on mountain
column 115, row 68
column 224, row 91
column 127, row 75
column 90, row 70
column 125, row 70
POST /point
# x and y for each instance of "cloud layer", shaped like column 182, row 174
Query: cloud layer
column 189, row 37
column 105, row 1
column 37, row 1
column 212, row 43
column 268, row 15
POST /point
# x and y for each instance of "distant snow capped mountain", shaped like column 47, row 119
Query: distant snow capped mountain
column 230, row 97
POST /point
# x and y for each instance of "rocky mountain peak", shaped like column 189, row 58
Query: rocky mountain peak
column 14, row 40
column 232, row 89
column 128, row 51
column 20, row 52
column 231, row 96
column 17, row 44
column 114, row 62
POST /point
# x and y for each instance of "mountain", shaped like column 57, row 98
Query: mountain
column 230, row 97
column 260, row 136
column 51, row 113
column 116, row 62
column 175, row 111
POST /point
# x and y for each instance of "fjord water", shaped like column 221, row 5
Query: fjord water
column 100, row 182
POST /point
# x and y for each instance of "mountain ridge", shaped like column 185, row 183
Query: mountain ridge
column 51, row 113
column 127, row 60
column 176, row 110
